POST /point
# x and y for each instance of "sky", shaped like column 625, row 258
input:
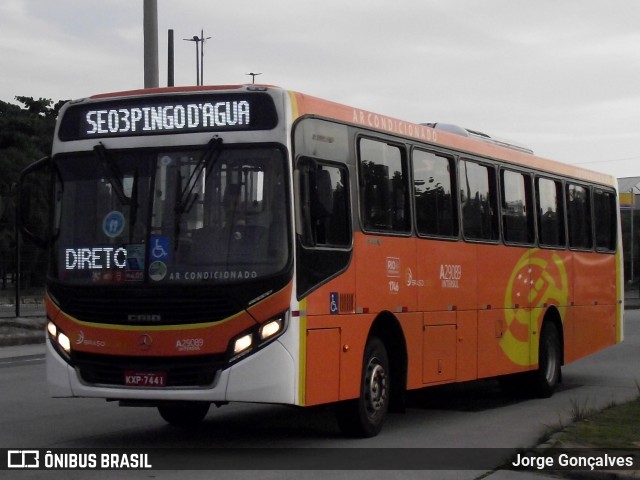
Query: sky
column 559, row 76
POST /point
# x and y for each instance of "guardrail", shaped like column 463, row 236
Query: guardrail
column 29, row 307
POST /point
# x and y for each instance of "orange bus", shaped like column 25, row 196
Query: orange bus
column 252, row 244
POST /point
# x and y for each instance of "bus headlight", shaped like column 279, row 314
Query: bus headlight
column 243, row 343
column 270, row 329
column 64, row 342
column 59, row 339
column 52, row 329
column 257, row 337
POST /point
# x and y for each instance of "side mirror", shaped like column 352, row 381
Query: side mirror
column 33, row 212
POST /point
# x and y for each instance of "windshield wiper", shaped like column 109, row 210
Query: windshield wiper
column 133, row 210
column 116, row 179
column 186, row 199
column 112, row 173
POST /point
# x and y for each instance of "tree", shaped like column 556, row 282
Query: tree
column 26, row 134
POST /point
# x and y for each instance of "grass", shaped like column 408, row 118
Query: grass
column 613, row 427
column 616, row 426
column 580, row 411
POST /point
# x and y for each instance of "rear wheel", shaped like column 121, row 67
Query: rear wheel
column 542, row 382
column 364, row 416
column 547, row 376
column 184, row 414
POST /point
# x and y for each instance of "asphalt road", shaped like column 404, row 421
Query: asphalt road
column 470, row 416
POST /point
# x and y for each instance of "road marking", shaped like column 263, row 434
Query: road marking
column 22, row 360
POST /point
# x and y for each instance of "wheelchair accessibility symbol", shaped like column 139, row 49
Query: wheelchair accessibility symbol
column 160, row 248
column 333, row 303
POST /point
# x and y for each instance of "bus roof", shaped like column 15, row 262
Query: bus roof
column 308, row 105
column 304, row 104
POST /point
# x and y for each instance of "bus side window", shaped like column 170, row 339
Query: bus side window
column 434, row 192
column 604, row 205
column 478, row 199
column 323, row 222
column 325, row 205
column 517, row 211
column 550, row 209
column 384, row 198
column 579, row 216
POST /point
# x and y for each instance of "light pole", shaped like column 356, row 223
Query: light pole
column 196, row 39
column 199, row 55
column 202, row 40
column 253, row 76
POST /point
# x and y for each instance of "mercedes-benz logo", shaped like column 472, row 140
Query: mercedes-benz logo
column 145, row 341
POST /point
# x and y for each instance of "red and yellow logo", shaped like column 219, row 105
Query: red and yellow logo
column 538, row 279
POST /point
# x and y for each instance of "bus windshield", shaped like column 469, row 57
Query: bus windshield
column 213, row 215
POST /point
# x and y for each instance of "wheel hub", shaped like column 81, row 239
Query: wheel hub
column 376, row 390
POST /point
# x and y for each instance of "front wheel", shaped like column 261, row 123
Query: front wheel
column 184, row 414
column 363, row 416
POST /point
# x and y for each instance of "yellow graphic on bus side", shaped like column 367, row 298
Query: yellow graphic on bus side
column 538, row 279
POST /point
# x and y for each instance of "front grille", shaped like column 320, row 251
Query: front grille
column 196, row 371
column 167, row 310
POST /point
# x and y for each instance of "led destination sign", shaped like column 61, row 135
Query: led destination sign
column 169, row 115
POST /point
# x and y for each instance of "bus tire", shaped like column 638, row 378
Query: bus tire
column 184, row 414
column 363, row 417
column 549, row 361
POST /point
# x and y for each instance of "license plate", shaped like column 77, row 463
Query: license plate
column 145, row 379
